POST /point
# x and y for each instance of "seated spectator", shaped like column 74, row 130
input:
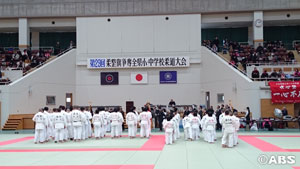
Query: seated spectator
column 215, row 48
column 281, row 75
column 297, row 73
column 255, row 73
column 274, row 75
column 265, row 75
column 291, row 56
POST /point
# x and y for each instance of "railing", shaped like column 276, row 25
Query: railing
column 276, row 79
column 240, row 70
column 43, row 48
column 273, row 64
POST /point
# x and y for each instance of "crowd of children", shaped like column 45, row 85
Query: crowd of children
column 76, row 124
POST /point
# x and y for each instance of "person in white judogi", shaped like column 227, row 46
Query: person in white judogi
column 168, row 126
column 149, row 121
column 49, row 126
column 210, row 126
column 174, row 120
column 204, row 132
column 70, row 124
column 104, row 116
column 177, row 116
column 88, row 127
column 84, row 123
column 63, row 112
column 254, row 126
column 145, row 122
column 220, row 120
column 195, row 123
column 60, row 123
column 186, row 122
column 228, row 123
column 115, row 119
column 121, row 121
column 236, row 126
column 131, row 121
column 137, row 115
column 41, row 122
column 97, row 121
column 77, row 120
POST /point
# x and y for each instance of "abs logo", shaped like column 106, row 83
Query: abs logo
column 276, row 159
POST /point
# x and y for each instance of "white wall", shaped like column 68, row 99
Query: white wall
column 217, row 76
column 138, row 36
column 28, row 93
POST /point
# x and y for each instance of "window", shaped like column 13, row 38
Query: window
column 50, row 100
column 220, row 98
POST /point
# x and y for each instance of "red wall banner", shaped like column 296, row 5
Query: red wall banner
column 285, row 92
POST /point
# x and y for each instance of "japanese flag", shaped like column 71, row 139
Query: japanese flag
column 139, row 78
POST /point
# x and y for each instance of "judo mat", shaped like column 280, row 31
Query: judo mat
column 17, row 151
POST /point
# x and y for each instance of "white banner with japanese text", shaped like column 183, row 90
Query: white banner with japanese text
column 138, row 62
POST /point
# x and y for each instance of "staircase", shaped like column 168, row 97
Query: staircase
column 19, row 122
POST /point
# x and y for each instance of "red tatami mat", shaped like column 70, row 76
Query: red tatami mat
column 262, row 145
column 155, row 143
column 3, row 143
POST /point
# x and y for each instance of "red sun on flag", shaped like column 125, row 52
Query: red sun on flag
column 139, row 77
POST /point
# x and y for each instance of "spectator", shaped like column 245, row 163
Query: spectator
column 291, row 56
column 172, row 103
column 57, row 49
column 255, row 73
column 265, row 75
column 216, row 42
column 281, row 75
column 297, row 73
column 284, row 111
column 274, row 75
column 259, row 49
column 215, row 48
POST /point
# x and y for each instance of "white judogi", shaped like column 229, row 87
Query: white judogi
column 169, row 129
column 210, row 124
column 88, row 127
column 66, row 134
column 145, row 122
column 186, row 122
column 149, row 121
column 108, row 121
column 60, row 123
column 77, row 119
column 98, row 124
column 135, row 126
column 195, row 122
column 70, row 126
column 228, row 122
column 237, row 127
column 177, row 116
column 121, row 121
column 204, row 132
column 52, row 127
column 115, row 121
column 41, row 122
column 131, row 121
column 254, row 127
column 104, row 117
column 174, row 120
column 49, row 127
column 84, row 125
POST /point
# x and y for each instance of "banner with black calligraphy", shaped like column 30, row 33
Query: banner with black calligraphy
column 138, row 62
column 285, row 92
